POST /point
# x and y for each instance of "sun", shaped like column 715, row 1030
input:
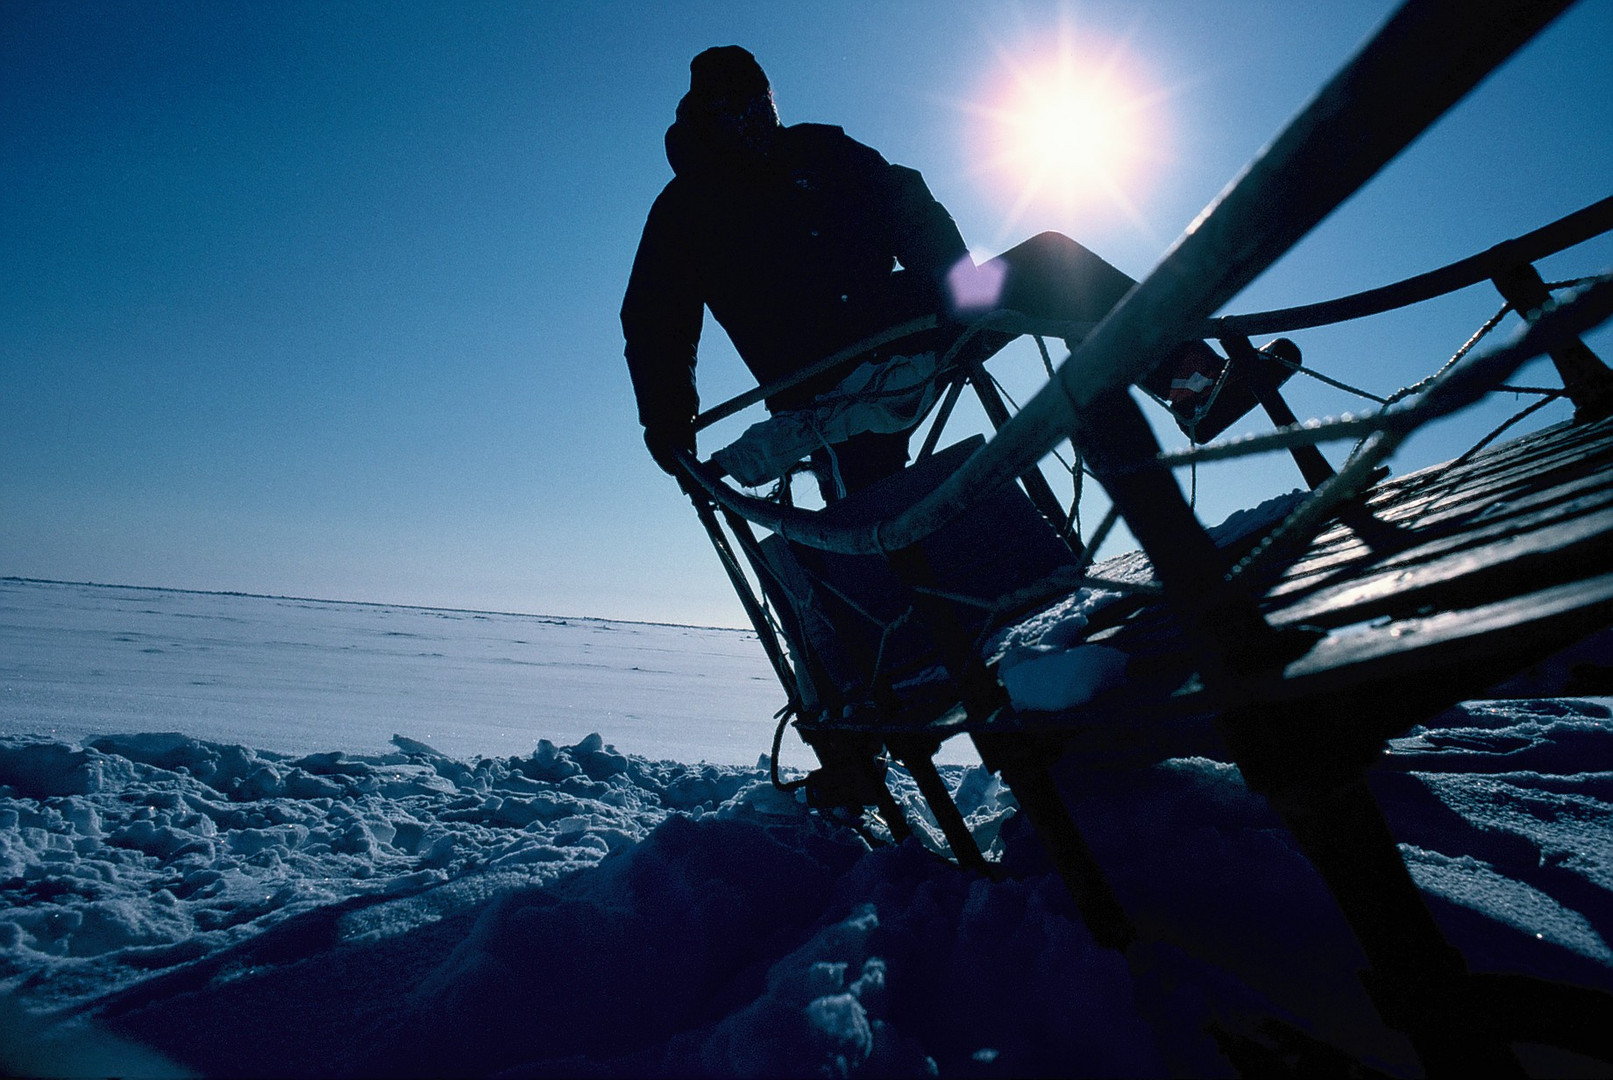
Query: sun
column 1068, row 131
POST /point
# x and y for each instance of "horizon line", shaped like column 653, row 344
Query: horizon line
column 366, row 603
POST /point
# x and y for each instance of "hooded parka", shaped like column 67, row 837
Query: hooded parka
column 819, row 244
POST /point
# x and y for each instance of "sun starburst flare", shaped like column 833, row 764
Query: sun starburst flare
column 1069, row 129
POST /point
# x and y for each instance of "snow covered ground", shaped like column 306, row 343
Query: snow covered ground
column 279, row 903
column 299, row 676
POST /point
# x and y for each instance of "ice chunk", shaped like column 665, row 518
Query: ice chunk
column 414, row 746
column 549, row 762
column 43, row 770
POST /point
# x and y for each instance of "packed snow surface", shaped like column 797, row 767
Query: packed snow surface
column 172, row 904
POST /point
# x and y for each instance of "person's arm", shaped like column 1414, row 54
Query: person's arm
column 661, row 318
column 897, row 207
column 926, row 239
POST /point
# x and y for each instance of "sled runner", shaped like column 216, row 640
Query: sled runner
column 1293, row 643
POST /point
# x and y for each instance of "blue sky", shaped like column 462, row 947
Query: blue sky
column 320, row 299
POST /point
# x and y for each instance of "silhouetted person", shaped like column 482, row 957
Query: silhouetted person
column 803, row 241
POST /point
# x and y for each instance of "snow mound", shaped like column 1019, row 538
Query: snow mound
column 132, row 853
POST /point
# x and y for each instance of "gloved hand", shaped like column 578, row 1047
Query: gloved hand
column 665, row 438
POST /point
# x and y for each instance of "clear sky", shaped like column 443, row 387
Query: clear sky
column 321, row 299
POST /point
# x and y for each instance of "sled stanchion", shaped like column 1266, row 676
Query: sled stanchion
column 852, row 777
column 942, row 415
column 1024, row 769
column 747, row 599
column 1226, row 633
column 1417, row 981
column 1036, row 485
column 1586, row 379
column 1312, row 465
column 917, row 755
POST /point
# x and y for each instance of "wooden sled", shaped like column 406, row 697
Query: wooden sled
column 1293, row 651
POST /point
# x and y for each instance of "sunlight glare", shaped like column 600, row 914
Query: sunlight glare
column 1069, row 131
